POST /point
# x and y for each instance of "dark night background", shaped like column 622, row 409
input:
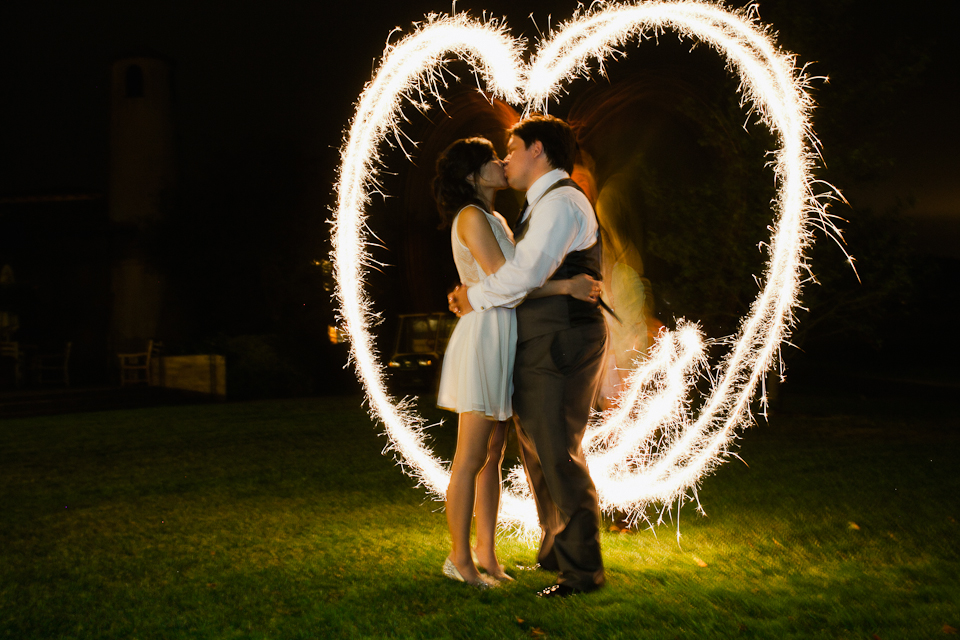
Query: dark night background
column 263, row 92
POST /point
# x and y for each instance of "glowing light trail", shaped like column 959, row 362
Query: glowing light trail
column 410, row 67
column 655, row 445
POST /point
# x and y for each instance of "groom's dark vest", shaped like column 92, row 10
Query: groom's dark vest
column 539, row 316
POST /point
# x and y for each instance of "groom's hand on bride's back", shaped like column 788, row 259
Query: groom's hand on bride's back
column 458, row 302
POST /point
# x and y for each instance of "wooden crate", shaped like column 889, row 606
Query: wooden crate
column 200, row 373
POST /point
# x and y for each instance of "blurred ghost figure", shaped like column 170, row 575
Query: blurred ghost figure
column 625, row 289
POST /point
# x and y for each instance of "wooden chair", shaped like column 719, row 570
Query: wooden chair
column 10, row 358
column 52, row 367
column 135, row 367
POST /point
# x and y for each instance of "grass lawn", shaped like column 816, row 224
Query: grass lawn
column 282, row 520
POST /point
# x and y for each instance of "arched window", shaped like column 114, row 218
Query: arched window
column 134, row 81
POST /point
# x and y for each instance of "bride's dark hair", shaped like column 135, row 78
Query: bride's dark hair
column 451, row 190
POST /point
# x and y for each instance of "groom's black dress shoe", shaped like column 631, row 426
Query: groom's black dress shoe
column 560, row 591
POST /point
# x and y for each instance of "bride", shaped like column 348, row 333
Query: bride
column 476, row 380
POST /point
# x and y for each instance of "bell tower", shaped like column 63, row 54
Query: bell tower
column 141, row 177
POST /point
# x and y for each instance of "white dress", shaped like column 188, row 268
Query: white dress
column 477, row 372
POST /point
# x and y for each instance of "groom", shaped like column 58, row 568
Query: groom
column 560, row 346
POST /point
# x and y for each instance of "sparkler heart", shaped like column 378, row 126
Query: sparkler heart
column 631, row 471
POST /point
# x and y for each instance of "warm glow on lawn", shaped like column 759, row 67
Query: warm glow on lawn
column 654, row 447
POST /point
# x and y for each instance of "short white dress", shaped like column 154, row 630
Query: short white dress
column 477, row 373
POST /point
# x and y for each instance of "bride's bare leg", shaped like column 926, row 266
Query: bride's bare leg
column 472, row 440
column 488, row 502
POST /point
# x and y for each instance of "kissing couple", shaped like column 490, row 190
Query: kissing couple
column 529, row 345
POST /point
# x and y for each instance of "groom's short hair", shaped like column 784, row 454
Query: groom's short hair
column 557, row 137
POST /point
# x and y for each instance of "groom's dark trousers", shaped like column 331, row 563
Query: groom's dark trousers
column 555, row 380
column 560, row 352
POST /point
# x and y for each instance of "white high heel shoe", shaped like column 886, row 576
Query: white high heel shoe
column 450, row 570
column 503, row 577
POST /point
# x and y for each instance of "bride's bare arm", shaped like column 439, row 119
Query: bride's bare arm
column 475, row 232
column 581, row 287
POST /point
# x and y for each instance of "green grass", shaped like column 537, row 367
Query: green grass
column 282, row 520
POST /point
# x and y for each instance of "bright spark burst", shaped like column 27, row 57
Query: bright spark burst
column 656, row 444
